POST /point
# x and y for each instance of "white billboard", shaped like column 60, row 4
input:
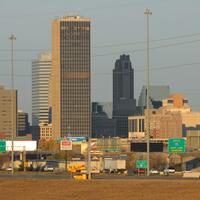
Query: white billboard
column 22, row 145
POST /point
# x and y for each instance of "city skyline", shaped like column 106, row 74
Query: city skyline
column 109, row 42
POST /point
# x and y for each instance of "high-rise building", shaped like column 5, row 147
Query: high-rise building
column 8, row 113
column 41, row 73
column 22, row 123
column 71, row 112
column 124, row 103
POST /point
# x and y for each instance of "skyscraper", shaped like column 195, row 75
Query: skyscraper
column 8, row 113
column 41, row 70
column 71, row 112
column 124, row 103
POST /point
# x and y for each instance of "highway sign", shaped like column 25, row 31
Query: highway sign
column 141, row 164
column 66, row 145
column 2, row 146
column 176, row 145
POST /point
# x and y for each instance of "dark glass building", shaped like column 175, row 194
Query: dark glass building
column 71, row 112
column 22, row 123
column 102, row 123
column 124, row 103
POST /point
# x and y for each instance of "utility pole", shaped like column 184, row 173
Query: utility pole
column 147, row 13
column 12, row 38
column 89, row 158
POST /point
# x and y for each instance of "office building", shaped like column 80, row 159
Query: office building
column 41, row 71
column 8, row 113
column 22, row 123
column 124, row 103
column 156, row 93
column 46, row 131
column 178, row 103
column 102, row 123
column 71, row 112
column 163, row 125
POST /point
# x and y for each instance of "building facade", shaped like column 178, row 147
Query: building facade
column 163, row 125
column 124, row 103
column 41, row 71
column 157, row 93
column 178, row 103
column 71, row 104
column 46, row 131
column 8, row 113
column 102, row 123
column 22, row 123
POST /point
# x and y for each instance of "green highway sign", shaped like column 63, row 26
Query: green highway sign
column 176, row 145
column 141, row 164
column 2, row 146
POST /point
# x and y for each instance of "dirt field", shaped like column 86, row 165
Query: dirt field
column 100, row 189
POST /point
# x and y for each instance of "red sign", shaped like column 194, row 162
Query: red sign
column 65, row 145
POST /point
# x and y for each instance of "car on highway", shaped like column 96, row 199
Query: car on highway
column 48, row 168
column 169, row 170
column 139, row 171
column 154, row 172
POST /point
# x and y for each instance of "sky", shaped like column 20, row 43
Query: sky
column 118, row 27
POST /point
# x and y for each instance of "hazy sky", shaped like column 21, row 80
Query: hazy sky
column 117, row 27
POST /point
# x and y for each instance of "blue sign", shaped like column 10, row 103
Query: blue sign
column 73, row 139
column 77, row 139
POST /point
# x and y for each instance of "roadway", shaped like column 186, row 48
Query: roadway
column 99, row 176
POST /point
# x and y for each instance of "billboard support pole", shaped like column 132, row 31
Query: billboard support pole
column 147, row 13
column 89, row 159
column 12, row 38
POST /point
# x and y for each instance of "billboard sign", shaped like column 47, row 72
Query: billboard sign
column 141, row 164
column 65, row 145
column 2, row 146
column 176, row 145
column 22, row 145
column 77, row 139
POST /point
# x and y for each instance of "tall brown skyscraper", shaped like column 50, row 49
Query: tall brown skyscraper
column 8, row 113
column 70, row 83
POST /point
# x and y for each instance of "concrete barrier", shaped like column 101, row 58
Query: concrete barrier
column 191, row 175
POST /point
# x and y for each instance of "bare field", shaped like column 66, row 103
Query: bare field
column 100, row 189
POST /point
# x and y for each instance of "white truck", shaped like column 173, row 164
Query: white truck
column 114, row 165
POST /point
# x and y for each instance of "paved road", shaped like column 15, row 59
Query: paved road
column 65, row 176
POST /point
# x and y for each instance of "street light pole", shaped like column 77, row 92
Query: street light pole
column 12, row 38
column 147, row 13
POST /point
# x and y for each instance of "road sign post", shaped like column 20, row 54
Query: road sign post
column 141, row 164
column 2, row 146
column 176, row 145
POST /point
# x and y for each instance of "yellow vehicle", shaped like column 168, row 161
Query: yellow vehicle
column 78, row 171
column 76, row 167
column 80, row 177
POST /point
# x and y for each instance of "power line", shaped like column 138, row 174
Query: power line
column 137, row 69
column 119, row 52
column 151, row 41
column 121, row 44
column 152, row 48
